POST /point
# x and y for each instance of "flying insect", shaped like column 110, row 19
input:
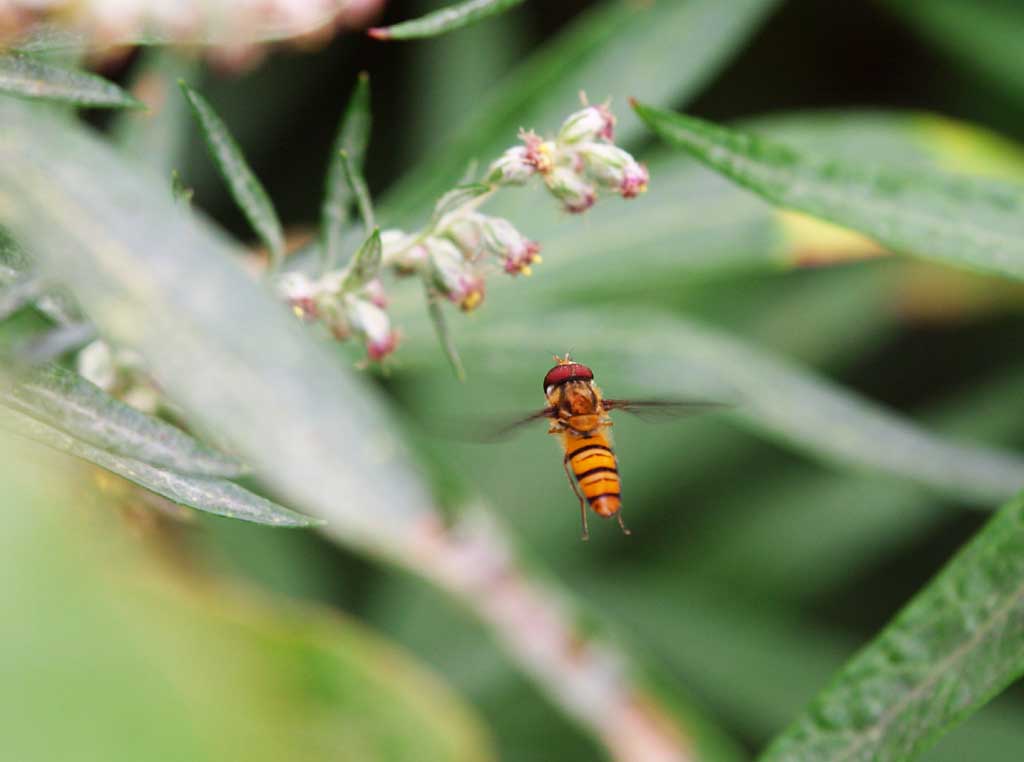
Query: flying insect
column 578, row 415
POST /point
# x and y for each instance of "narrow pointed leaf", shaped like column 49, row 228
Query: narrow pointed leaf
column 954, row 647
column 211, row 495
column 444, row 336
column 459, row 197
column 353, row 137
column 444, row 20
column 959, row 220
column 64, row 399
column 358, row 190
column 245, row 188
column 365, row 265
column 27, row 77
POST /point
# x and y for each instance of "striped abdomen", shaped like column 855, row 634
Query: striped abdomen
column 593, row 463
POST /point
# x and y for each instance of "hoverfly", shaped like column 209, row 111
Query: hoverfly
column 578, row 415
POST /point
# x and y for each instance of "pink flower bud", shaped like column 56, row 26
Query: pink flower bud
column 568, row 187
column 300, row 292
column 614, row 168
column 514, row 167
column 372, row 325
column 587, row 125
column 374, row 291
column 634, row 181
column 516, row 250
column 453, row 275
column 398, row 249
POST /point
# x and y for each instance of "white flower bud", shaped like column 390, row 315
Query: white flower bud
column 587, row 125
column 614, row 168
column 516, row 250
column 568, row 187
column 452, row 275
column 512, row 168
column 372, row 325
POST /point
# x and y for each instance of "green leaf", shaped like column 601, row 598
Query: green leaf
column 64, row 399
column 156, row 138
column 29, row 78
column 199, row 668
column 962, row 221
column 443, row 20
column 459, row 198
column 444, row 336
column 358, row 190
column 365, row 264
column 160, row 281
column 609, row 51
column 217, row 496
column 955, row 646
column 352, row 138
column 245, row 188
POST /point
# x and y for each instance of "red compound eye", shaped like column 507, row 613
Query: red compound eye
column 567, row 372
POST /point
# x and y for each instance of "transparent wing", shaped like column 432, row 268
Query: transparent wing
column 502, row 431
column 660, row 411
column 487, row 431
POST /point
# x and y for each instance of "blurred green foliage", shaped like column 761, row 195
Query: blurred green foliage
column 770, row 543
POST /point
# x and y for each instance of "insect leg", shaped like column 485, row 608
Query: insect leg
column 621, row 523
column 583, row 502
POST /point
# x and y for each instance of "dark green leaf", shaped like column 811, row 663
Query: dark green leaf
column 443, row 20
column 64, row 399
column 954, row 647
column 30, row 78
column 245, row 187
column 959, row 220
column 352, row 138
column 211, row 495
column 365, row 264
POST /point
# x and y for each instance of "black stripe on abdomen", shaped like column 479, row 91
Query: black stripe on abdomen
column 587, row 448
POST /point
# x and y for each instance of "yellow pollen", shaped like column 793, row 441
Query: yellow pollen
column 537, row 259
column 525, row 270
column 297, row 310
column 471, row 301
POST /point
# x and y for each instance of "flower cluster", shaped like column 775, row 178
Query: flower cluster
column 582, row 159
column 347, row 310
column 234, row 27
column 454, row 254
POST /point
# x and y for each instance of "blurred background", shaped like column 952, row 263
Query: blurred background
column 754, row 572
